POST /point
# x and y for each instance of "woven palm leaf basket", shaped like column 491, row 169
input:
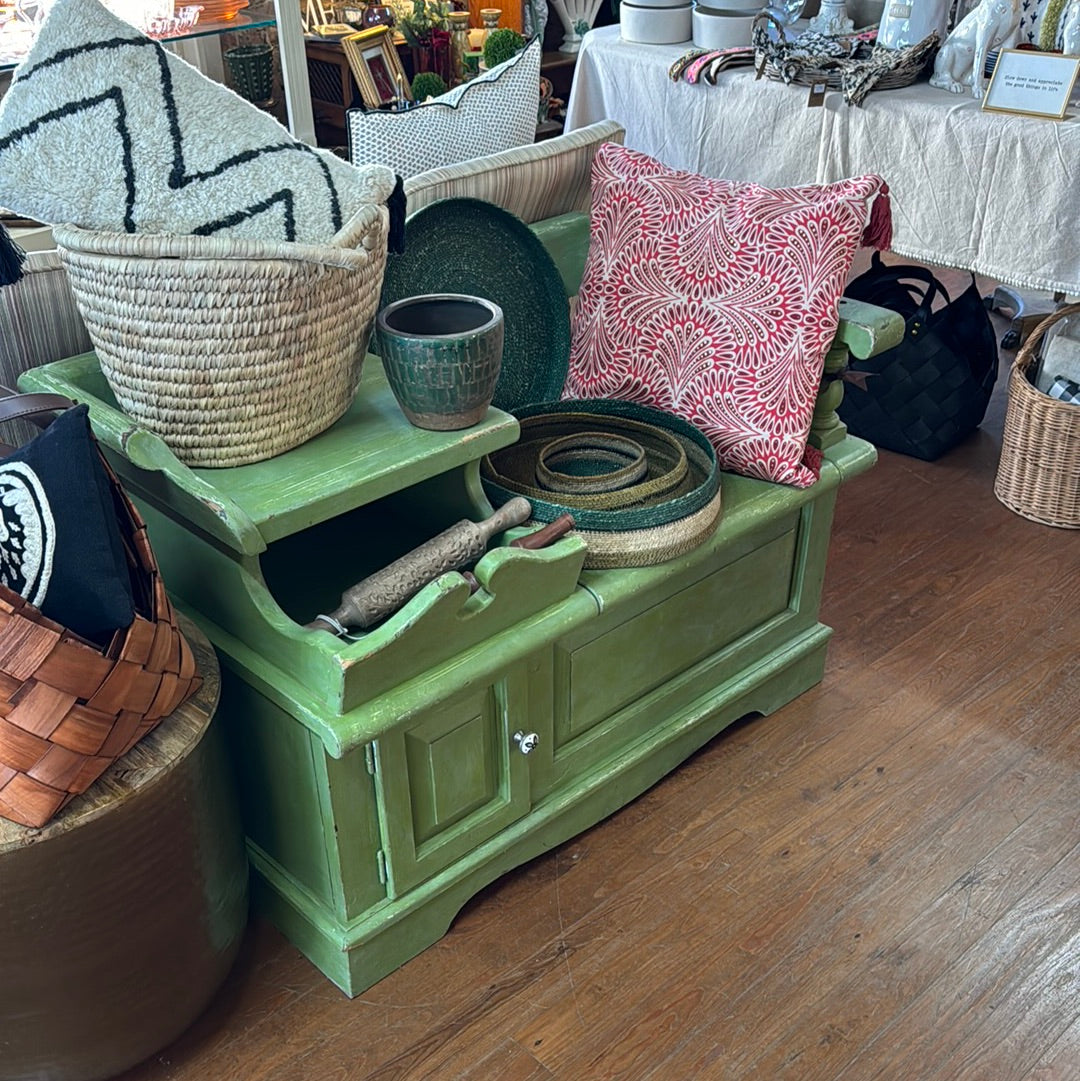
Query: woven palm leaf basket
column 862, row 68
column 68, row 708
column 231, row 350
column 1039, row 470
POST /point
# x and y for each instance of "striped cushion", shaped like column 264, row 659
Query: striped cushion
column 534, row 182
column 39, row 323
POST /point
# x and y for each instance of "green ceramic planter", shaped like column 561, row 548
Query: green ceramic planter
column 442, row 353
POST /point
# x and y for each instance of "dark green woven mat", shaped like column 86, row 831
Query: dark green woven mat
column 469, row 246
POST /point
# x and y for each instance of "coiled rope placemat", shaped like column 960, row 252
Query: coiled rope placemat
column 642, row 485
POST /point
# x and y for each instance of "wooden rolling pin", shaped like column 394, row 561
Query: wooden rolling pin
column 384, row 592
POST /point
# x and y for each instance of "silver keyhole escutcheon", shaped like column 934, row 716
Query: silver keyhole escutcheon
column 526, row 741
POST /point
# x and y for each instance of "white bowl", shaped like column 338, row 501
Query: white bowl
column 655, row 25
column 716, row 28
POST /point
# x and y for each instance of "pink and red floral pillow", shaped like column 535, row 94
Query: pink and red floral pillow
column 717, row 301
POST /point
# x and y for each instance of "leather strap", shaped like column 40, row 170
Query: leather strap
column 39, row 408
column 884, row 275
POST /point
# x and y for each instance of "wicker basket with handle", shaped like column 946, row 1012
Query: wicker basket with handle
column 1039, row 470
column 231, row 350
column 70, row 709
column 775, row 61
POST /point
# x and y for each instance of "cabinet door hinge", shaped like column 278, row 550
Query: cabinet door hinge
column 369, row 758
column 380, row 859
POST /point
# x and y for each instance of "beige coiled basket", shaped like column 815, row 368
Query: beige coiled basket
column 231, row 350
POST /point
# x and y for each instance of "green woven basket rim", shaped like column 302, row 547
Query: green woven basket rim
column 699, row 451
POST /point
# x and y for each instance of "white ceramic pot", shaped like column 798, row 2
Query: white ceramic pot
column 655, row 25
column 721, row 28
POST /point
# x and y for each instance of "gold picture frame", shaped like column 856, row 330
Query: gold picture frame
column 376, row 66
column 1031, row 83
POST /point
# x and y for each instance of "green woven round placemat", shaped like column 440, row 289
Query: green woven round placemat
column 511, row 471
column 469, row 246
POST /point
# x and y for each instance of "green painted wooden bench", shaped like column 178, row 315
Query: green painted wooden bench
column 383, row 780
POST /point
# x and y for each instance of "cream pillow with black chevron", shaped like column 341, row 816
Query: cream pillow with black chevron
column 104, row 128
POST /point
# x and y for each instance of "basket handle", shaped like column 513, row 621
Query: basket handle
column 767, row 16
column 354, row 231
column 1027, row 351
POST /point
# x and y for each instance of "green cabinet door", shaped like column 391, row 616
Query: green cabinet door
column 452, row 777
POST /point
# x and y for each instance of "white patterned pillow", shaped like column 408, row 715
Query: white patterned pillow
column 493, row 112
column 104, row 128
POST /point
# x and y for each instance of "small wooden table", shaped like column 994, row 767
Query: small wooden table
column 120, row 918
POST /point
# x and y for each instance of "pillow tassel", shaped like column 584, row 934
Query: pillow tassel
column 395, row 242
column 878, row 232
column 11, row 259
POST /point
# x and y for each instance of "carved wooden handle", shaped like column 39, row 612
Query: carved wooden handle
column 387, row 590
column 549, row 534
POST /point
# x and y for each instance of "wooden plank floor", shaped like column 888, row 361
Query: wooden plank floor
column 880, row 881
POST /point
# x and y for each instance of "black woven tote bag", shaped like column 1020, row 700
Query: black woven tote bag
column 926, row 394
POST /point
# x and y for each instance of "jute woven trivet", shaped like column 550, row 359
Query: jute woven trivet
column 591, row 462
column 647, row 547
column 671, row 510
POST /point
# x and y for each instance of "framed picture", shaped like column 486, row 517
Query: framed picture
column 376, row 66
column 1031, row 83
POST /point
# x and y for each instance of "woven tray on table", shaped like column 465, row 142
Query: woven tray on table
column 69, row 709
column 231, row 350
column 862, row 67
column 1039, row 470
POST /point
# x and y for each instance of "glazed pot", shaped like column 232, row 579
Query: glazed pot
column 442, row 353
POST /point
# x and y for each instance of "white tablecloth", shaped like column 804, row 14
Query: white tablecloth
column 987, row 192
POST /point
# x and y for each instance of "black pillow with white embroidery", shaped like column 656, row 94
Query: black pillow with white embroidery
column 60, row 543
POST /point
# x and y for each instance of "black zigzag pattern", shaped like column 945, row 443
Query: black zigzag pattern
column 179, row 177
column 116, row 96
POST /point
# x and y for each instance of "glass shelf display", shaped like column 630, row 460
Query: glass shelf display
column 158, row 18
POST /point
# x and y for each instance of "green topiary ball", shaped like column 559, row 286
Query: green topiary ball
column 428, row 84
column 502, row 44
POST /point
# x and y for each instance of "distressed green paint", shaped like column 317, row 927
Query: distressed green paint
column 642, row 653
column 566, row 239
column 280, row 792
column 381, row 782
column 486, row 772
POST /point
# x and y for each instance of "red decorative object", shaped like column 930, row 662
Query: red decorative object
column 717, row 301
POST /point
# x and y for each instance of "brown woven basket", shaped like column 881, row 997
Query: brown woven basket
column 68, row 709
column 231, row 350
column 1039, row 471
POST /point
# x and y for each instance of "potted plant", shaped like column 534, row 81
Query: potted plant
column 500, row 45
column 425, row 32
column 428, row 84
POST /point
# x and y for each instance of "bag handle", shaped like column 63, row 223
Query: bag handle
column 38, row 408
column 886, row 275
column 1026, row 354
